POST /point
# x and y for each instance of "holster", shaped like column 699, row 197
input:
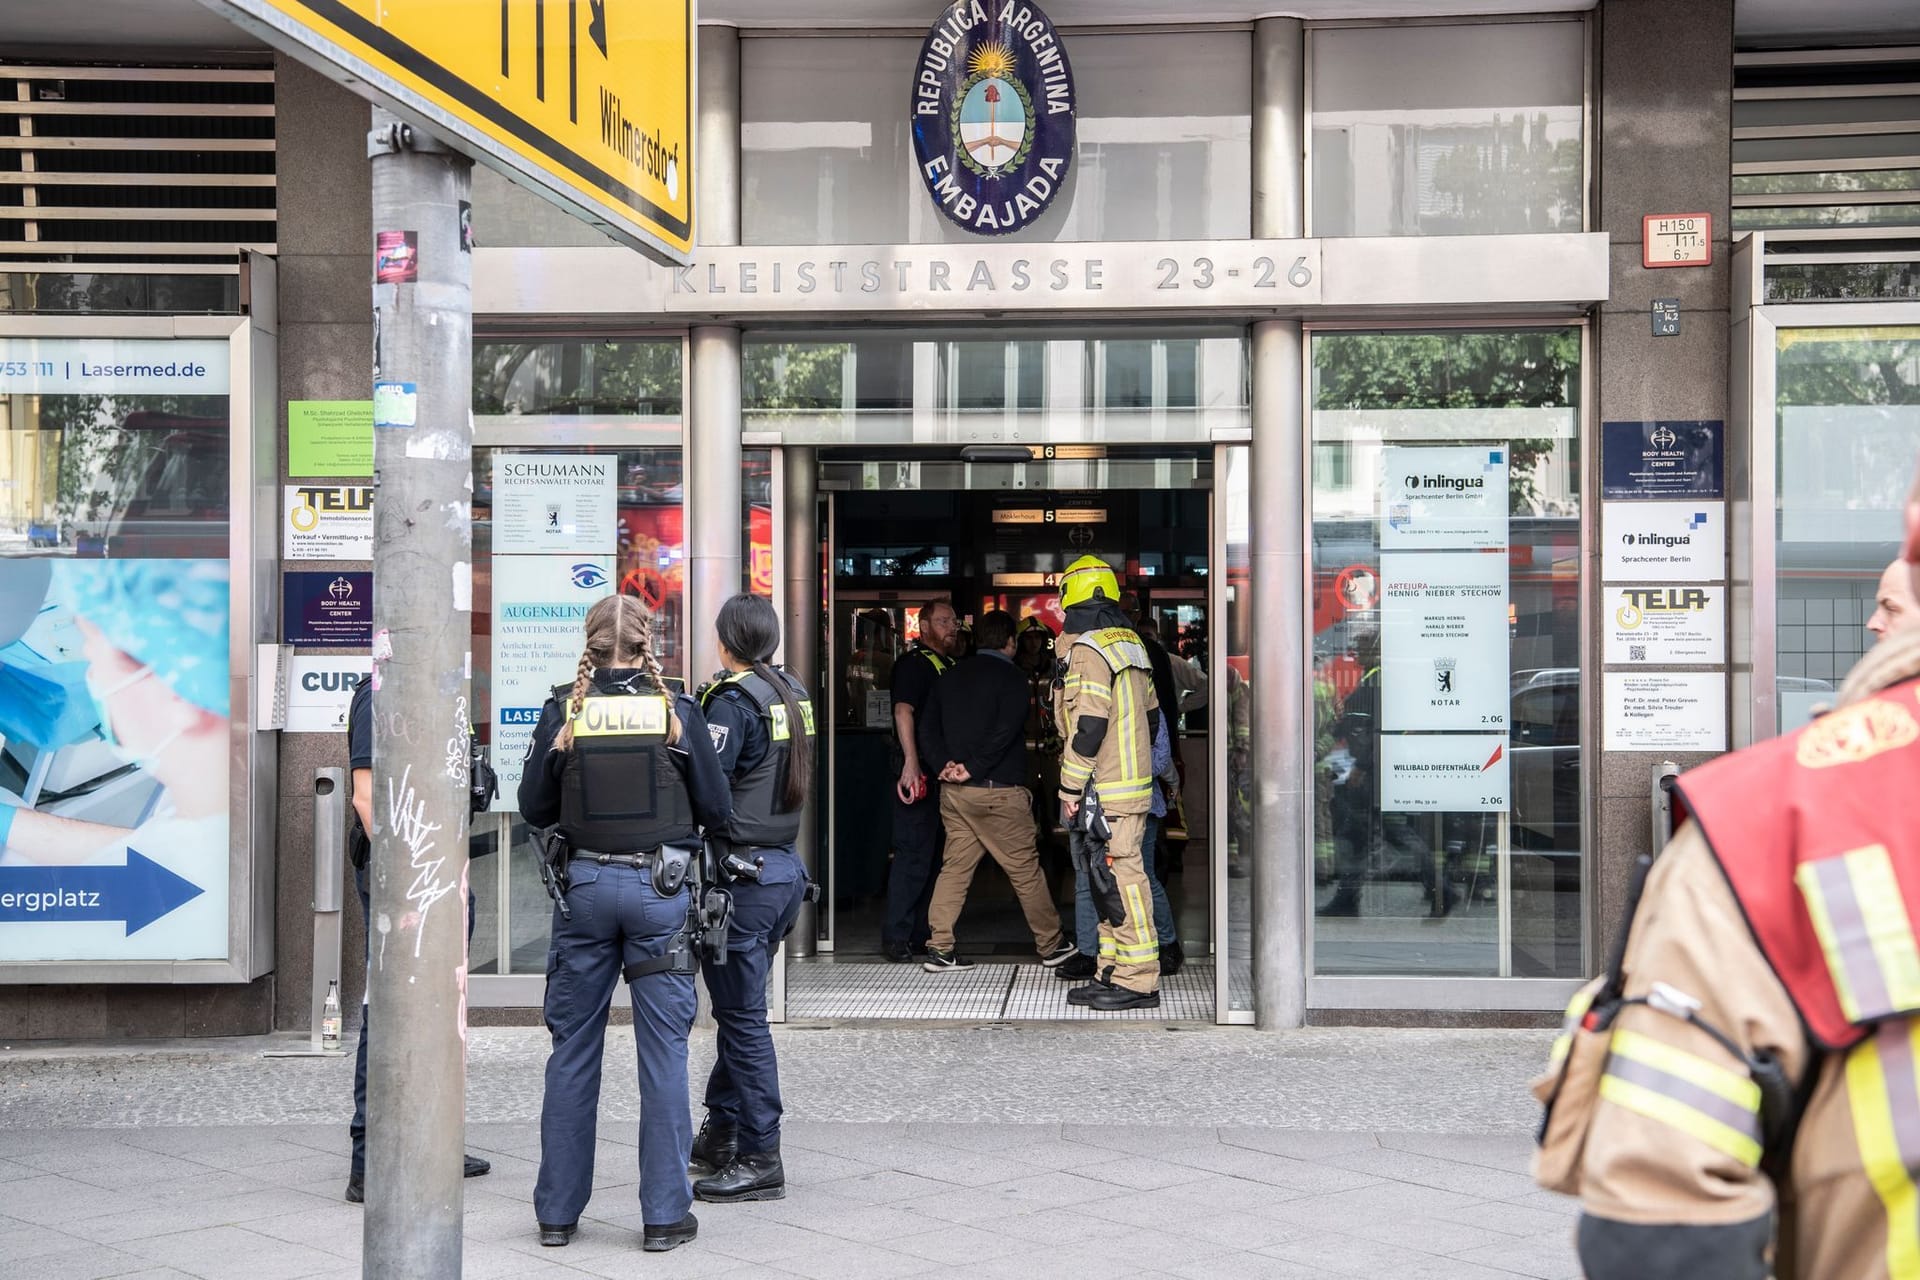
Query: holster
column 553, row 868
column 670, row 867
column 677, row 959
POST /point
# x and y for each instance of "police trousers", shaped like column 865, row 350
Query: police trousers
column 744, row 1088
column 618, row 920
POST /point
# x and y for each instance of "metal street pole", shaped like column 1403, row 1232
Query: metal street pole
column 423, row 460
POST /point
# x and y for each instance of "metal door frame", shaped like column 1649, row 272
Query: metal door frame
column 1218, row 730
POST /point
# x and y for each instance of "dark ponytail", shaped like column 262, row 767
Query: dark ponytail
column 749, row 629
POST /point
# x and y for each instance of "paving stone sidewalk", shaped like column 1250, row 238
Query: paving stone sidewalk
column 910, row 1152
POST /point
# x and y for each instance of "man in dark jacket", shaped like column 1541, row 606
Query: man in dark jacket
column 975, row 731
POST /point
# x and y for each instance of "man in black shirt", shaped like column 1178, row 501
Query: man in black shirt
column 360, row 762
column 917, row 836
column 975, row 726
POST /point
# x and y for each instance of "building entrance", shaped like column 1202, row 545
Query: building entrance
column 991, row 528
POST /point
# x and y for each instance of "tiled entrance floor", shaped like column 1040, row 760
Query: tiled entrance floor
column 988, row 992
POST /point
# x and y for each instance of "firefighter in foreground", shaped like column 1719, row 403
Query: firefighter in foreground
column 1107, row 714
column 624, row 773
column 1738, row 1096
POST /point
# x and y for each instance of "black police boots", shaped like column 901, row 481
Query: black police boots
column 757, row 1175
column 671, row 1236
column 713, row 1148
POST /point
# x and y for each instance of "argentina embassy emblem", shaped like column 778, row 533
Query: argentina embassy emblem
column 993, row 108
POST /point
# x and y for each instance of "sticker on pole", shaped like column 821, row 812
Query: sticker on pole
column 587, row 102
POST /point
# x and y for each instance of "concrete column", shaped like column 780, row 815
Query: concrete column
column 713, row 377
column 717, row 138
column 712, row 489
column 1277, row 571
column 1664, row 110
column 799, row 536
column 1279, row 128
column 1277, row 557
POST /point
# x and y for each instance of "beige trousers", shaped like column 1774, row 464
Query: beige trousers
column 1130, row 951
column 997, row 821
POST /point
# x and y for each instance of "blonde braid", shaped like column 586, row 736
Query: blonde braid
column 582, row 681
column 651, row 665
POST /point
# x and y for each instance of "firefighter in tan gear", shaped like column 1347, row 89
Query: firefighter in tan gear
column 1107, row 714
column 1739, row 1095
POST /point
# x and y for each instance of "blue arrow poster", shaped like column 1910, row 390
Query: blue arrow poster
column 115, row 759
column 136, row 893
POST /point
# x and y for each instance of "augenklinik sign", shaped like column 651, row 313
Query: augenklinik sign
column 993, row 120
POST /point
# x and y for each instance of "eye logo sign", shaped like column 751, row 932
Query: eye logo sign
column 993, row 114
column 589, row 577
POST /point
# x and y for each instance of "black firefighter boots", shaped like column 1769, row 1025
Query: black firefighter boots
column 757, row 1175
column 713, row 1148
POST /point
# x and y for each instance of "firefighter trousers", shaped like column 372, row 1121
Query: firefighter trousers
column 1131, row 948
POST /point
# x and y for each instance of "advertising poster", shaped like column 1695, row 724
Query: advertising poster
column 1666, row 626
column 760, row 551
column 114, row 718
column 1443, row 497
column 540, row 608
column 330, row 437
column 1444, row 646
column 327, row 610
column 327, row 522
column 319, row 691
column 554, row 504
column 113, row 366
column 1666, row 711
column 1444, row 772
column 1653, row 460
column 1663, row 541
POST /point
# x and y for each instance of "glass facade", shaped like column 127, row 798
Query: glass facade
column 1847, row 418
column 1446, row 689
column 557, row 526
column 967, row 386
column 1162, row 154
column 1471, row 129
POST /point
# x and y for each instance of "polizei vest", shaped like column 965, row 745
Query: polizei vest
column 759, row 814
column 620, row 791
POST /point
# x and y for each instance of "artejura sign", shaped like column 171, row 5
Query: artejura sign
column 589, row 102
column 993, row 114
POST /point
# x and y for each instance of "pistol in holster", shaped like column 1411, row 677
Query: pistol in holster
column 553, row 868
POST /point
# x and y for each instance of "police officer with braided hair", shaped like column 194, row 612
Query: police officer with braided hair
column 625, row 774
column 762, row 725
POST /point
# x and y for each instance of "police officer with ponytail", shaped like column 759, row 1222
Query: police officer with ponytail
column 762, row 725
column 624, row 773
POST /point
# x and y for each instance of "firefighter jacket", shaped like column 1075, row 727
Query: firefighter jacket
column 1751, row 1108
column 1106, row 710
column 760, row 763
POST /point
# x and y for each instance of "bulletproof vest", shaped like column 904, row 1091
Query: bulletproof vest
column 1814, row 831
column 759, row 816
column 620, row 791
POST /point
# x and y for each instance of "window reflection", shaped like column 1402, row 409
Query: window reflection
column 1161, row 155
column 1470, row 129
column 1425, row 861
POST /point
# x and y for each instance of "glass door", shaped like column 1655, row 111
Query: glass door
column 577, row 493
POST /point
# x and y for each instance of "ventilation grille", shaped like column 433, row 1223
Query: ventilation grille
column 106, row 164
column 1826, row 138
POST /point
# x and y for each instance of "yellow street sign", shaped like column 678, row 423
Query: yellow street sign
column 588, row 101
